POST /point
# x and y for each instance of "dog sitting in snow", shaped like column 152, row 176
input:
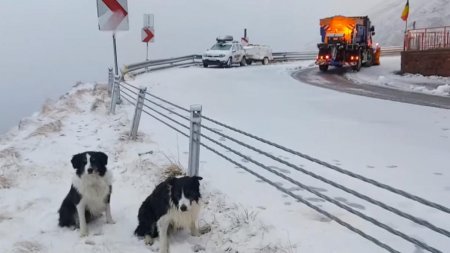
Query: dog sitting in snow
column 90, row 193
column 174, row 203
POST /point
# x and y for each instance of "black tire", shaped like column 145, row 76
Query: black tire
column 228, row 63
column 249, row 62
column 323, row 68
column 205, row 65
column 357, row 67
column 369, row 60
column 243, row 62
column 265, row 61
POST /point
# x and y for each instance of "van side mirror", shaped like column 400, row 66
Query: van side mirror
column 372, row 28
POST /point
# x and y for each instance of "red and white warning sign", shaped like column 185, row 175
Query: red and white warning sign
column 112, row 15
column 244, row 41
column 148, row 34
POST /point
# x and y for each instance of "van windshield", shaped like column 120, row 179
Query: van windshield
column 220, row 46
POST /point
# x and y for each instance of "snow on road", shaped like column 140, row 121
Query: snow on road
column 402, row 145
column 387, row 75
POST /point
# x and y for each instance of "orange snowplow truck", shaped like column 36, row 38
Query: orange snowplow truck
column 347, row 41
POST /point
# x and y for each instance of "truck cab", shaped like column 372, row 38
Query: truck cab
column 225, row 52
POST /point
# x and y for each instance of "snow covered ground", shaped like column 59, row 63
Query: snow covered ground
column 403, row 145
column 399, row 144
column 387, row 75
column 35, row 175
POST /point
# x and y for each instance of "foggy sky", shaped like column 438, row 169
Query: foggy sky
column 48, row 45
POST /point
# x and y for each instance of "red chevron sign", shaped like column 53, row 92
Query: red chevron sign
column 112, row 15
column 147, row 34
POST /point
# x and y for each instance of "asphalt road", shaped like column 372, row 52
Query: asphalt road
column 334, row 79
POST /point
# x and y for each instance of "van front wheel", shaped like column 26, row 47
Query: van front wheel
column 228, row 63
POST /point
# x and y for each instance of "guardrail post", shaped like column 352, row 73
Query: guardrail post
column 194, row 140
column 137, row 113
column 119, row 97
column 110, row 80
column 115, row 94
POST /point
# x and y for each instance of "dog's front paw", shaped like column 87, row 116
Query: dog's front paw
column 148, row 240
column 83, row 233
column 195, row 233
column 163, row 250
column 110, row 221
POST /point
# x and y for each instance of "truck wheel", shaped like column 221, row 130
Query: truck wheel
column 249, row 62
column 205, row 65
column 369, row 60
column 265, row 61
column 228, row 63
column 323, row 68
column 243, row 62
column 357, row 67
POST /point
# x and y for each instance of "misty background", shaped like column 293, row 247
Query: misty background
column 47, row 46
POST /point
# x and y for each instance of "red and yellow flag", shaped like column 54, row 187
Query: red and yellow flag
column 405, row 12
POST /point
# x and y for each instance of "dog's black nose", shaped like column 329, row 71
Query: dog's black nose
column 90, row 170
column 183, row 208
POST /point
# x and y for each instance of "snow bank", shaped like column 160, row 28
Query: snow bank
column 387, row 75
column 35, row 176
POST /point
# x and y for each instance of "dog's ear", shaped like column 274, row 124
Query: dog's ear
column 197, row 178
column 171, row 180
column 77, row 160
column 103, row 158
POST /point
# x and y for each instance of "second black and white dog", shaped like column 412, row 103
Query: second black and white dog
column 90, row 193
column 174, row 203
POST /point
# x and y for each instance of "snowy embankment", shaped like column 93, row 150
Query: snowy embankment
column 387, row 75
column 399, row 144
column 35, row 175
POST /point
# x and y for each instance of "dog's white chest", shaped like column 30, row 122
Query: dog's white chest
column 183, row 219
column 94, row 191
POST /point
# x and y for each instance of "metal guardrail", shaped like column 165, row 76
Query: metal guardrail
column 391, row 51
column 294, row 56
column 195, row 59
column 143, row 67
column 165, row 111
column 311, row 55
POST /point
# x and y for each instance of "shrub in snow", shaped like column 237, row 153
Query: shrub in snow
column 48, row 128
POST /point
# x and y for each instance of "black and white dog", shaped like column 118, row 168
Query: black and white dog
column 90, row 192
column 174, row 203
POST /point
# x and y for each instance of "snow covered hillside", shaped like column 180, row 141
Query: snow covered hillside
column 35, row 176
column 402, row 145
column 390, row 28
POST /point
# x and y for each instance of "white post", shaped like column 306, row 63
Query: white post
column 137, row 113
column 115, row 94
column 194, row 140
column 110, row 80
